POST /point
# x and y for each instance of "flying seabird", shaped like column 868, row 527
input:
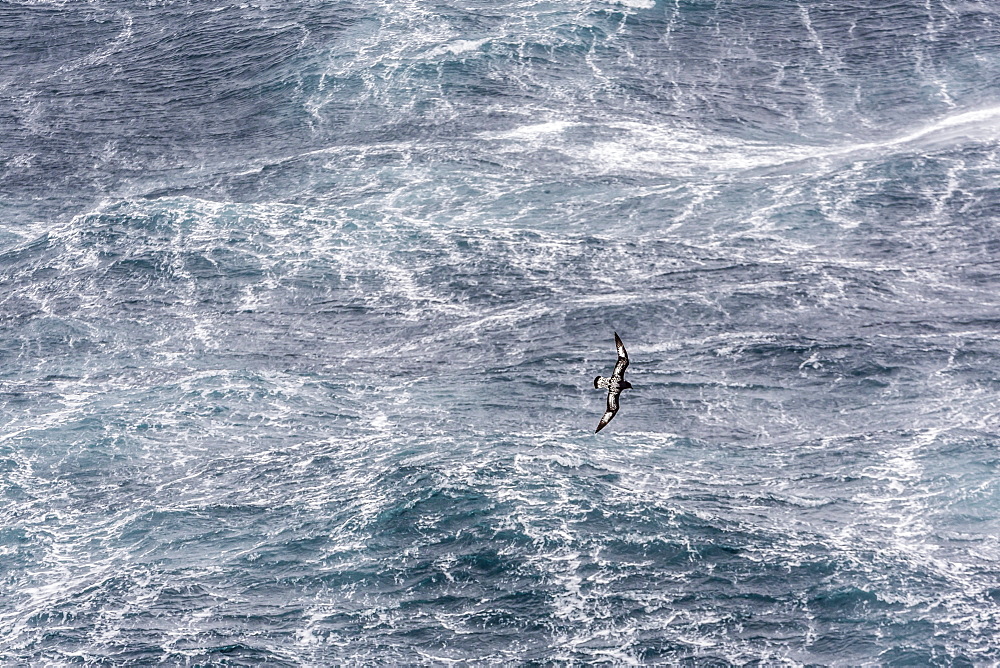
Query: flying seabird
column 615, row 384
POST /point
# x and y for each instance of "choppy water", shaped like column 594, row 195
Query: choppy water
column 301, row 304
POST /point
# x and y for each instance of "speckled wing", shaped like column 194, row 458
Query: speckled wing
column 622, row 363
column 610, row 413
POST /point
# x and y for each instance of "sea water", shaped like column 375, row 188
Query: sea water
column 301, row 305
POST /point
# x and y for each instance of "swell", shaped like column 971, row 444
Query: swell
column 300, row 306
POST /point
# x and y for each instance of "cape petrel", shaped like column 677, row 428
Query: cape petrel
column 615, row 384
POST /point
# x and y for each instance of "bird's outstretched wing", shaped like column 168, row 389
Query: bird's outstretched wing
column 604, row 421
column 622, row 363
column 610, row 413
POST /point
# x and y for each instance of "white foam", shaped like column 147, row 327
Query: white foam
column 687, row 152
column 980, row 124
column 534, row 131
column 456, row 47
column 636, row 4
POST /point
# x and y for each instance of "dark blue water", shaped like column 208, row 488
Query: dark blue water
column 301, row 305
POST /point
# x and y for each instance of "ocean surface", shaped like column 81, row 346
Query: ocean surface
column 301, row 305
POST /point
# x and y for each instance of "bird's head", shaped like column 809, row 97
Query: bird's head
column 626, row 385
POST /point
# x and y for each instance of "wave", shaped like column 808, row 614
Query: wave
column 300, row 308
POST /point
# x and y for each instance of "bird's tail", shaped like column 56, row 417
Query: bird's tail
column 596, row 381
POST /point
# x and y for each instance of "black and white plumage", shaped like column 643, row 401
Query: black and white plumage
column 615, row 384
